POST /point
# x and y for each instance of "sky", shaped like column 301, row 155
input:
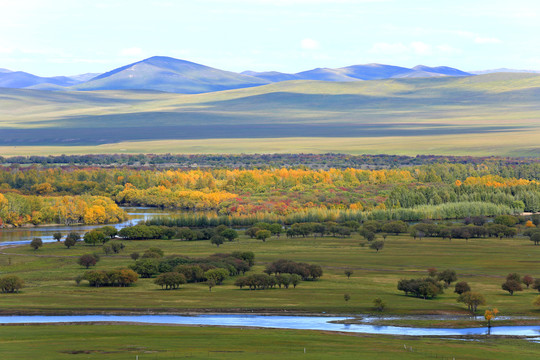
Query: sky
column 68, row 37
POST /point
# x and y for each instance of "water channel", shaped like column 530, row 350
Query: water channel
column 326, row 323
column 24, row 235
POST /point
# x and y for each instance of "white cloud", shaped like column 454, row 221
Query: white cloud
column 309, row 44
column 421, row 48
column 486, row 40
column 134, row 51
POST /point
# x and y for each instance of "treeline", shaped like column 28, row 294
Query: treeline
column 17, row 210
column 197, row 269
column 288, row 195
column 429, row 212
column 266, row 160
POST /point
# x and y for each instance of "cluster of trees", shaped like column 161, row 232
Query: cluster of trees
column 514, row 283
column 437, row 191
column 304, row 270
column 214, row 268
column 11, row 284
column 217, row 235
column 264, row 281
column 120, row 277
column 170, row 280
column 429, row 287
column 17, row 210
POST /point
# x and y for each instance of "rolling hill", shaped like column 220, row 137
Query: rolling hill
column 464, row 114
column 168, row 74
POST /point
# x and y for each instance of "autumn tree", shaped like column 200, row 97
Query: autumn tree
column 87, row 260
column 462, row 287
column 511, row 286
column 528, row 280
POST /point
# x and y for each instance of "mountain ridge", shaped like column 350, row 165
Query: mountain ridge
column 162, row 73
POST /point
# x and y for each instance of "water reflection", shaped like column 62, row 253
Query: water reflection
column 277, row 322
column 19, row 236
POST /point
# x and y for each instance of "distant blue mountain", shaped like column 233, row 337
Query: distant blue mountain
column 172, row 75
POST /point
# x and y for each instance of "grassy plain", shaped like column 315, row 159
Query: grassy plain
column 483, row 263
column 172, row 342
column 495, row 114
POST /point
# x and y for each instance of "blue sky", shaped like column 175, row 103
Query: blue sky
column 67, row 37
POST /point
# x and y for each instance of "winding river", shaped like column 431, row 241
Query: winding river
column 24, row 235
column 21, row 236
column 326, row 323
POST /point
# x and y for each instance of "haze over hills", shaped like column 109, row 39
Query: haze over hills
column 168, row 74
column 477, row 114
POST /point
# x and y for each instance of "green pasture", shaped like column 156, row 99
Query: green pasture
column 172, row 342
column 483, row 263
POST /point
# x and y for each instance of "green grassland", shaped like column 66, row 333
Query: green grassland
column 172, row 342
column 483, row 263
column 495, row 114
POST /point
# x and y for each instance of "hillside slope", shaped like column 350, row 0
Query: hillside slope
column 171, row 75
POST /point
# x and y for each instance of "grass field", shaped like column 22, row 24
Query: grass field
column 494, row 114
column 483, row 263
column 161, row 342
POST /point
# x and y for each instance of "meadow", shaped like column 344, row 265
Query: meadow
column 50, row 271
column 172, row 342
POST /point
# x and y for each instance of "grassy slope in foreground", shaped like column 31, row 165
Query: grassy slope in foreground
column 483, row 263
column 162, row 342
column 488, row 114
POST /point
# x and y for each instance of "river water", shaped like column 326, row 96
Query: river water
column 276, row 322
column 24, row 235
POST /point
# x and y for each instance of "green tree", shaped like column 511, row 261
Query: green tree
column 472, row 300
column 11, row 284
column 146, row 268
column 71, row 239
column 263, row 235
column 170, row 280
column 36, row 243
column 229, row 234
column 376, row 245
column 217, row 240
column 95, row 237
column 349, row 273
column 217, row 275
column 57, row 236
column 379, row 304
column 447, row 276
